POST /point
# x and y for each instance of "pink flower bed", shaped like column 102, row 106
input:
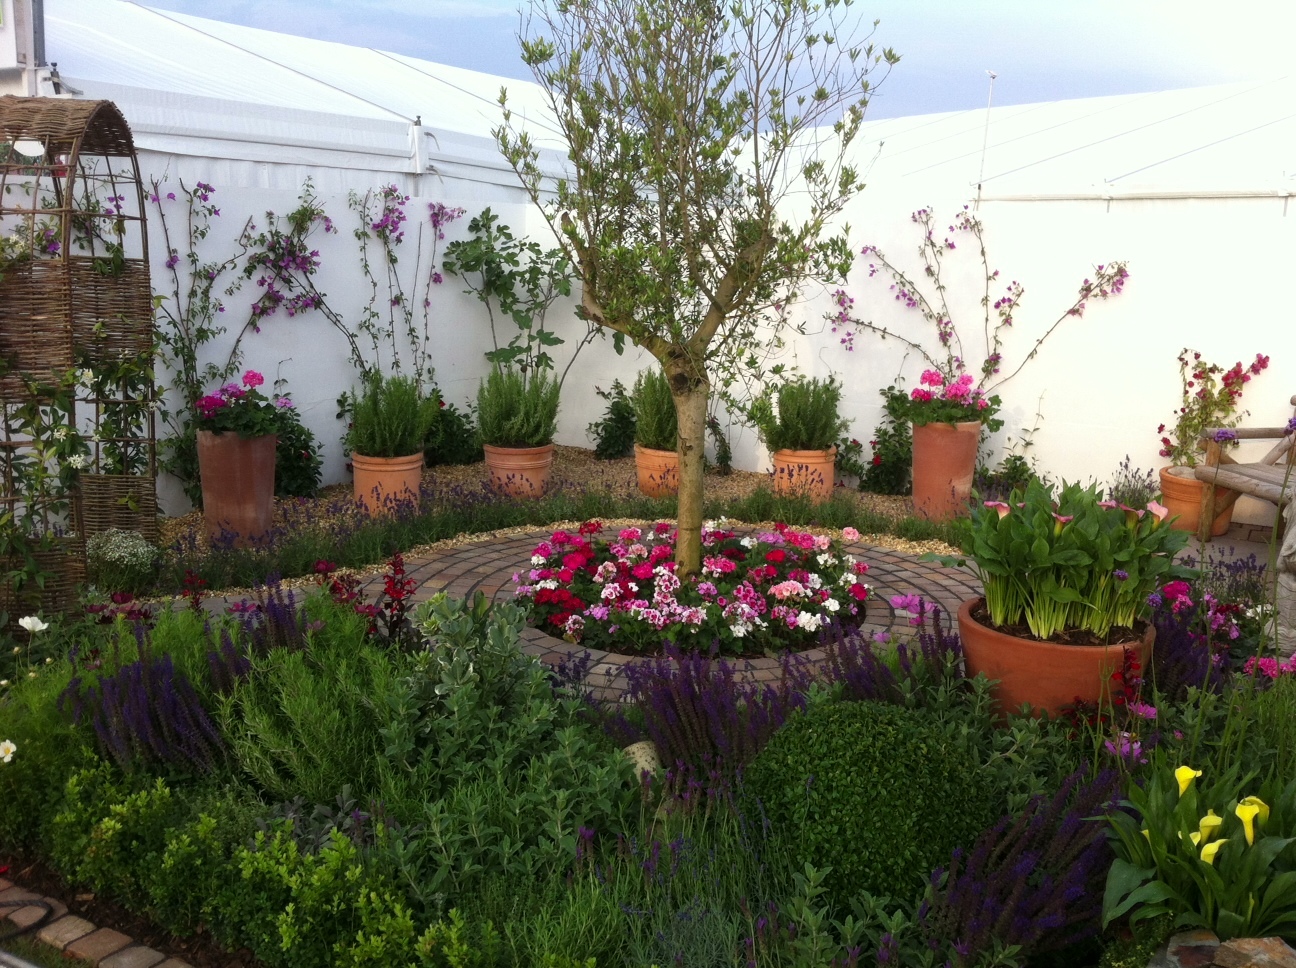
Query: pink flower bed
column 756, row 593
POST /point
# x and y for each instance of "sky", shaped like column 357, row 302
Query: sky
column 1041, row 50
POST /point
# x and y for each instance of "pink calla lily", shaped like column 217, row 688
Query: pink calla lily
column 999, row 506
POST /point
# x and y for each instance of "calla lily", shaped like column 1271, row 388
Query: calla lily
column 999, row 506
column 1108, row 505
column 1159, row 511
column 1247, row 812
column 1209, row 827
column 32, row 623
column 1132, row 516
column 1210, row 850
column 1185, row 775
column 1261, row 806
column 1146, row 833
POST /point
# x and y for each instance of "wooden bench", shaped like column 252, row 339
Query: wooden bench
column 1226, row 479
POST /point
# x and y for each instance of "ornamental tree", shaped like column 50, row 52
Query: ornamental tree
column 707, row 158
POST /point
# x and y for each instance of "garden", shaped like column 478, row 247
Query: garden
column 498, row 702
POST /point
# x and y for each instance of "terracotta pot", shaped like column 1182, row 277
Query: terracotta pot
column 519, row 471
column 658, row 471
column 238, row 484
column 805, row 472
column 1182, row 494
column 1045, row 675
column 944, row 460
column 382, row 481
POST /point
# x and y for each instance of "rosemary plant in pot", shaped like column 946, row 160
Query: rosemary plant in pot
column 236, row 459
column 800, row 424
column 390, row 420
column 1067, row 578
column 517, row 414
column 1211, row 397
column 656, row 434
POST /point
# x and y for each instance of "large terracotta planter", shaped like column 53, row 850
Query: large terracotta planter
column 1045, row 675
column 238, row 485
column 1182, row 494
column 519, row 471
column 805, row 472
column 382, row 481
column 944, row 460
column 658, row 471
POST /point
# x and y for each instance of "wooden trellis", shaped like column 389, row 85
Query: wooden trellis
column 76, row 337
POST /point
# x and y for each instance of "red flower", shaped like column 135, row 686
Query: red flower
column 591, row 527
column 776, row 557
column 858, row 592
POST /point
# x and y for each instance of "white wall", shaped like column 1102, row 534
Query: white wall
column 1210, row 273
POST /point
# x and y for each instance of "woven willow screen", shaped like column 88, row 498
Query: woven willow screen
column 78, row 448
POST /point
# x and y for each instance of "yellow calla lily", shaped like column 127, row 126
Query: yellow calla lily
column 1146, row 833
column 1247, row 812
column 1210, row 850
column 1185, row 775
column 1259, row 805
column 1209, row 826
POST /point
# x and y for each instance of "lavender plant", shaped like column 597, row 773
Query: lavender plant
column 696, row 712
column 146, row 714
column 1033, row 881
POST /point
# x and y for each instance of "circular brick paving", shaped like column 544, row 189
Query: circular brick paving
column 488, row 567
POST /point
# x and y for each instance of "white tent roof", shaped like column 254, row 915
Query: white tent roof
column 1234, row 138
column 195, row 86
column 200, row 87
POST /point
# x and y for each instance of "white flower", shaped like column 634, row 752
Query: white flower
column 78, row 461
column 747, row 542
column 7, row 750
column 537, row 560
column 814, row 581
column 4, row 682
column 809, row 621
column 547, row 583
column 831, row 604
column 826, row 560
column 49, row 659
column 31, row 675
column 60, row 433
column 32, row 623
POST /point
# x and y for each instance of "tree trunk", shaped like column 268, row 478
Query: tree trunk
column 690, row 390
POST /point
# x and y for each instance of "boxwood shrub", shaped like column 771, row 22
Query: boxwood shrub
column 881, row 794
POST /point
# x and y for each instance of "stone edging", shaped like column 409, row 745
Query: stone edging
column 76, row 937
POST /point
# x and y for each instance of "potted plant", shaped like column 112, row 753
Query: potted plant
column 517, row 414
column 947, row 413
column 1067, row 577
column 1211, row 396
column 390, row 420
column 656, row 434
column 236, row 459
column 800, row 425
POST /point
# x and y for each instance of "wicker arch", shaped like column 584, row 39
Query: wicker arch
column 76, row 340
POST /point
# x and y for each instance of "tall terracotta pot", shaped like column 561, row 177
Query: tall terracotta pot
column 805, row 472
column 1046, row 675
column 1182, row 494
column 381, row 481
column 238, row 485
column 658, row 471
column 519, row 471
column 944, row 460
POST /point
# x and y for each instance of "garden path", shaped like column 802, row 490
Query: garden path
column 488, row 566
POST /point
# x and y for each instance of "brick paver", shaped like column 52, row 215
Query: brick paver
column 97, row 945
column 64, row 931
column 135, row 956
